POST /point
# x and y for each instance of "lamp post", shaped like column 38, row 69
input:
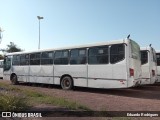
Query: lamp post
column 39, row 18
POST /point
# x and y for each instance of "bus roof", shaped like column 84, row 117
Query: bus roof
column 147, row 48
column 72, row 47
column 157, row 51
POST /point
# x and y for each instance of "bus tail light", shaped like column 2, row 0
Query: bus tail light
column 153, row 72
column 131, row 71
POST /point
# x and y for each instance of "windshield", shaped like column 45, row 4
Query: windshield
column 135, row 50
column 7, row 63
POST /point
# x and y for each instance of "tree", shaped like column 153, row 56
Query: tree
column 1, row 57
column 13, row 48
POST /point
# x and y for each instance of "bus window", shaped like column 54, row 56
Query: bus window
column 61, row 57
column 158, row 59
column 24, row 59
column 35, row 59
column 117, row 53
column 98, row 55
column 16, row 60
column 1, row 64
column 144, row 57
column 78, row 56
column 46, row 58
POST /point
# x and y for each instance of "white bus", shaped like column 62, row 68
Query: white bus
column 1, row 68
column 113, row 64
column 158, row 65
column 149, row 65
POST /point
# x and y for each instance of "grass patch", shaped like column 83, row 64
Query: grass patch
column 46, row 99
column 34, row 98
column 3, row 84
column 61, row 102
column 32, row 94
column 10, row 102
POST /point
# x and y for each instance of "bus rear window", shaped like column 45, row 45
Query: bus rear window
column 117, row 53
column 158, row 59
column 144, row 57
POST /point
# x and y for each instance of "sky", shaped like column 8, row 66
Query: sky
column 78, row 22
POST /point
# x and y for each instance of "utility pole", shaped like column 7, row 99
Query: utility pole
column 39, row 18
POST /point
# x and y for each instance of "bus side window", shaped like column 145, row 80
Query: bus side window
column 61, row 57
column 16, row 60
column 24, row 59
column 144, row 57
column 117, row 53
column 78, row 56
column 35, row 59
column 46, row 58
column 98, row 55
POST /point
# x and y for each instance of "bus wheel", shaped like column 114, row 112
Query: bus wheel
column 14, row 80
column 66, row 83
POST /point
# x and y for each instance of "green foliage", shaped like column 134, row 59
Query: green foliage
column 38, row 97
column 10, row 102
column 31, row 93
column 13, row 48
column 44, row 99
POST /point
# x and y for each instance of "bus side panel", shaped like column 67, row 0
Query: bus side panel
column 119, row 70
column 6, row 75
column 134, row 64
column 77, row 72
column 34, row 74
column 46, row 74
column 1, row 72
column 21, row 72
column 107, row 76
column 41, row 74
column 153, row 67
column 147, row 69
column 145, row 74
column 101, row 83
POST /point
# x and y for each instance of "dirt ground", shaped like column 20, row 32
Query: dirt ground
column 145, row 98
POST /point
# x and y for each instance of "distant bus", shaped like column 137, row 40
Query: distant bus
column 149, row 65
column 1, row 68
column 158, row 65
column 114, row 64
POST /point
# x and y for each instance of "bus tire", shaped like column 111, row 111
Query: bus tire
column 67, row 83
column 14, row 80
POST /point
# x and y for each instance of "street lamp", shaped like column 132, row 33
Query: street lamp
column 39, row 18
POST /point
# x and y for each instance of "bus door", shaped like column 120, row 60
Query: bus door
column 7, row 67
